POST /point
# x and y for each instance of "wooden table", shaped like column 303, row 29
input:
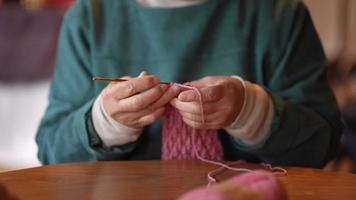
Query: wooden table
column 153, row 180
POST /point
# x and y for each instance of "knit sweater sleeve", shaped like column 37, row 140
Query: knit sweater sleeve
column 66, row 132
column 306, row 127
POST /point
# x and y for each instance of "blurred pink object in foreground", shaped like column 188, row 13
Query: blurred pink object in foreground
column 257, row 185
column 59, row 2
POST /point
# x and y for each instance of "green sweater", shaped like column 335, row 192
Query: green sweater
column 267, row 42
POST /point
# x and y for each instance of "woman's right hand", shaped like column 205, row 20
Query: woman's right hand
column 138, row 101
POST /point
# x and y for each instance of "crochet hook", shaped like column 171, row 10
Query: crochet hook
column 116, row 80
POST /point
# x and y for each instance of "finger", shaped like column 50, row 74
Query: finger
column 191, row 117
column 126, row 77
column 141, row 101
column 151, row 117
column 132, row 119
column 207, row 94
column 143, row 73
column 172, row 92
column 192, row 107
column 194, row 124
column 123, row 117
column 205, row 81
column 128, row 88
column 217, row 118
column 199, row 125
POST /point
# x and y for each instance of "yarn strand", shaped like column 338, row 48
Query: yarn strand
column 222, row 166
column 199, row 96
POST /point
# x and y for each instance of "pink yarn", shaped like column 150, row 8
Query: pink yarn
column 230, row 166
column 203, row 194
column 182, row 142
column 260, row 181
column 264, row 183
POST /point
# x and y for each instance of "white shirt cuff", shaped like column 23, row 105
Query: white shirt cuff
column 111, row 132
column 254, row 121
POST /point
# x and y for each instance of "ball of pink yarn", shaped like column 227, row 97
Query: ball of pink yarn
column 203, row 194
column 263, row 182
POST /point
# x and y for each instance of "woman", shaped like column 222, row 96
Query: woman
column 282, row 112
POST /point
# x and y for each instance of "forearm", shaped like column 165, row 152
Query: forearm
column 111, row 132
column 254, row 120
column 298, row 136
column 64, row 137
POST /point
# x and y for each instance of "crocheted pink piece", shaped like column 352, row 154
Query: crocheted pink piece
column 182, row 142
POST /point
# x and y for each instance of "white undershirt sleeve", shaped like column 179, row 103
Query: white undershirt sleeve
column 111, row 132
column 254, row 121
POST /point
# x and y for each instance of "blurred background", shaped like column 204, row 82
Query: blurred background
column 28, row 37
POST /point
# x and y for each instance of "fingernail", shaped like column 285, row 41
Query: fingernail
column 182, row 97
column 175, row 89
column 143, row 73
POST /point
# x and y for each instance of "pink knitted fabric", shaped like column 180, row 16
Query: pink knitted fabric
column 182, row 142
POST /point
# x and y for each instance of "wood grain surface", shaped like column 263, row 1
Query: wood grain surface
column 154, row 180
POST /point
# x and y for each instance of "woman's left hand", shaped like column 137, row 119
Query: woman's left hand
column 222, row 98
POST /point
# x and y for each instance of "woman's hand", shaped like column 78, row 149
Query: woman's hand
column 222, row 96
column 138, row 101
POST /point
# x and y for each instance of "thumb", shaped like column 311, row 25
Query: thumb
column 197, row 83
column 189, row 96
column 143, row 73
column 207, row 94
